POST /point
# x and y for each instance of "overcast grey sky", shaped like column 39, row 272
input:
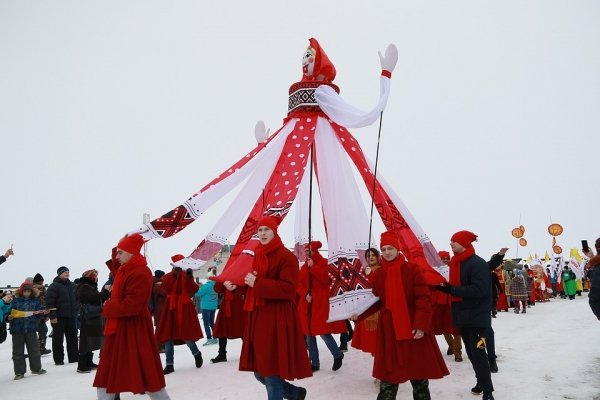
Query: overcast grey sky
column 109, row 109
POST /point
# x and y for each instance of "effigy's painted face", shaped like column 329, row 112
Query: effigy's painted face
column 308, row 62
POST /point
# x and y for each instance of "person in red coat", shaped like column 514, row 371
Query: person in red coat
column 442, row 317
column 313, row 307
column 406, row 346
column 273, row 346
column 179, row 320
column 130, row 360
column 231, row 317
column 157, row 300
column 365, row 331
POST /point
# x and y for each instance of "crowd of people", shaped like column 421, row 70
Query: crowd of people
column 286, row 299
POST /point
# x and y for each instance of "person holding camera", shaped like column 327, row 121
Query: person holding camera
column 7, row 254
column 179, row 320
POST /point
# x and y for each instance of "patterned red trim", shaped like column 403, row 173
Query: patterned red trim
column 386, row 73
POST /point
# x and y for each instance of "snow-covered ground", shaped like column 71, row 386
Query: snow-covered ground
column 552, row 352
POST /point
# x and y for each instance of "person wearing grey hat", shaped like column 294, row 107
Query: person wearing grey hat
column 62, row 303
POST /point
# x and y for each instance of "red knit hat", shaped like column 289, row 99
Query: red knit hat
column 131, row 244
column 177, row 257
column 443, row 254
column 389, row 238
column 27, row 285
column 271, row 221
column 322, row 65
column 314, row 246
column 464, row 238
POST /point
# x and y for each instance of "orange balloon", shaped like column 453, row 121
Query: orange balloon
column 517, row 232
column 523, row 242
column 557, row 249
column 555, row 229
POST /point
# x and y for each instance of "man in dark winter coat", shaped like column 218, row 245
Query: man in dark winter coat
column 471, row 301
column 62, row 303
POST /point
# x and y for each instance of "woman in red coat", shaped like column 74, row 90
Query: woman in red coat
column 273, row 346
column 179, row 320
column 313, row 307
column 231, row 318
column 130, row 360
column 406, row 346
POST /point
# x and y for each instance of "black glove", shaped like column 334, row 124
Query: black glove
column 445, row 288
column 189, row 272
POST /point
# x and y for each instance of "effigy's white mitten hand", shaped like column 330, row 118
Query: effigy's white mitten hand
column 261, row 133
column 390, row 59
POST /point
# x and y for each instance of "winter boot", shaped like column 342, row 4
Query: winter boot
column 301, row 393
column 83, row 364
column 168, row 369
column 199, row 361
column 43, row 349
column 91, row 361
column 493, row 366
column 458, row 356
column 421, row 390
column 222, row 357
column 487, row 396
column 337, row 362
column 387, row 391
column 476, row 390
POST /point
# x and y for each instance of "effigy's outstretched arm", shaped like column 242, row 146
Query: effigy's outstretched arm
column 345, row 114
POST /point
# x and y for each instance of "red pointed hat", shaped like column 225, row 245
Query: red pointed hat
column 271, row 221
column 131, row 244
column 177, row 257
column 389, row 238
column 323, row 65
column 314, row 246
column 464, row 238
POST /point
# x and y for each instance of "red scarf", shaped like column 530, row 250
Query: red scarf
column 395, row 299
column 260, row 266
column 455, row 262
column 137, row 261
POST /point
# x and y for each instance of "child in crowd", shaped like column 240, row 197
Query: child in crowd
column 26, row 311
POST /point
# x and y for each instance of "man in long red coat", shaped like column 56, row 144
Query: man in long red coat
column 406, row 346
column 313, row 307
column 129, row 336
column 179, row 319
column 273, row 346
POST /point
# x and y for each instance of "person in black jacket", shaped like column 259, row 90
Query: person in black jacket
column 62, row 303
column 91, row 336
column 471, row 300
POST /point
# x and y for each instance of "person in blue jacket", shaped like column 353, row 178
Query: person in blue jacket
column 209, row 300
column 24, row 318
